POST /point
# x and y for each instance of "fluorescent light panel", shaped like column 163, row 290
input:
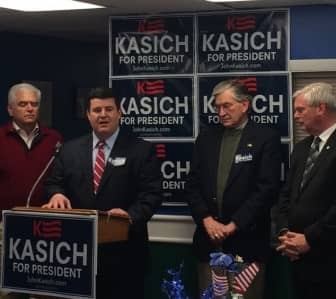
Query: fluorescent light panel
column 46, row 5
column 223, row 1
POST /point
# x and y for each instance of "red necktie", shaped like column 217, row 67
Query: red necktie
column 99, row 165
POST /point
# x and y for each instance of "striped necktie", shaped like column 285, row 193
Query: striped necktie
column 312, row 156
column 99, row 165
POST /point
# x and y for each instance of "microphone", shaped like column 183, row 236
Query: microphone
column 57, row 150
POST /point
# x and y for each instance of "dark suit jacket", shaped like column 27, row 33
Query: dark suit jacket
column 251, row 189
column 134, row 187
column 312, row 210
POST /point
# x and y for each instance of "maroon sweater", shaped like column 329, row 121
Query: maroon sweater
column 20, row 166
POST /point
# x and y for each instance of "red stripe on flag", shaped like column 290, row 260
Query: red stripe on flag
column 244, row 279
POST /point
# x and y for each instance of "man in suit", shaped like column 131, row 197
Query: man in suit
column 307, row 207
column 232, row 185
column 113, row 171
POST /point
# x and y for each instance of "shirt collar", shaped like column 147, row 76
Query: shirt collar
column 327, row 133
column 242, row 126
column 108, row 141
column 238, row 129
column 19, row 130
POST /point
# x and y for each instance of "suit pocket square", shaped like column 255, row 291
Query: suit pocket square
column 118, row 161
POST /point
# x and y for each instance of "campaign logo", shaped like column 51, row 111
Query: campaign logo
column 150, row 87
column 250, row 83
column 161, row 150
column 151, row 25
column 241, row 23
column 47, row 229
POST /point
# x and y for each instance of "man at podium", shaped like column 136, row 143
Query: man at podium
column 113, row 171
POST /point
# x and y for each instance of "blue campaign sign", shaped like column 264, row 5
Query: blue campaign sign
column 175, row 166
column 157, row 108
column 243, row 42
column 151, row 45
column 270, row 100
column 49, row 254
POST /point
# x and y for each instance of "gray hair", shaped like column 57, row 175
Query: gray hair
column 22, row 86
column 239, row 90
column 318, row 92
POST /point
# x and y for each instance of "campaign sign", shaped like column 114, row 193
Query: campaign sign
column 49, row 254
column 243, row 42
column 155, row 45
column 270, row 100
column 157, row 108
column 175, row 166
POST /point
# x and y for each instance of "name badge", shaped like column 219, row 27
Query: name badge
column 117, row 161
column 243, row 158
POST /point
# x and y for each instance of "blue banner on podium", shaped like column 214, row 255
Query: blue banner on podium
column 49, row 254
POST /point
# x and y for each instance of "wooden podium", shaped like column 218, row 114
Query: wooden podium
column 110, row 228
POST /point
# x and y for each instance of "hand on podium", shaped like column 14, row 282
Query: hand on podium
column 58, row 201
column 119, row 213
column 113, row 225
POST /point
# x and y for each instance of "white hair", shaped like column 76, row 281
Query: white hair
column 318, row 92
column 22, row 86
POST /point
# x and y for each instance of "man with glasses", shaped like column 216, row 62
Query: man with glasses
column 25, row 149
column 233, row 182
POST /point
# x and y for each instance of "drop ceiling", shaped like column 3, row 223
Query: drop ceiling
column 92, row 25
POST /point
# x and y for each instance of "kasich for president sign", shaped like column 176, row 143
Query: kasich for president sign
column 51, row 254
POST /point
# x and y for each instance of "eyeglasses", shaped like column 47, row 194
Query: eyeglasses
column 218, row 108
column 23, row 104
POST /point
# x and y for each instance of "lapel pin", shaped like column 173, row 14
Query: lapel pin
column 249, row 145
column 328, row 147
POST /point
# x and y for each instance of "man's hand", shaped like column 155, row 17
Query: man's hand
column 58, row 201
column 292, row 245
column 117, row 212
column 218, row 231
column 230, row 228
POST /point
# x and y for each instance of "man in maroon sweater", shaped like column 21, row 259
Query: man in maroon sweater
column 25, row 149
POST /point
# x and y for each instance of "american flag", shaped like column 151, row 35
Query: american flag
column 220, row 283
column 244, row 279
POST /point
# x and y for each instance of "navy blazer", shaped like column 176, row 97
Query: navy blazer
column 312, row 209
column 251, row 189
column 134, row 186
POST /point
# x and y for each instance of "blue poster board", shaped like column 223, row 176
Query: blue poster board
column 252, row 41
column 270, row 100
column 49, row 254
column 152, row 45
column 157, row 108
